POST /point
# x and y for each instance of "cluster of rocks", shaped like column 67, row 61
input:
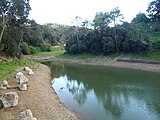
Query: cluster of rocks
column 10, row 99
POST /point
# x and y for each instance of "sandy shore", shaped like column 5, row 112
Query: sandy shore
column 40, row 98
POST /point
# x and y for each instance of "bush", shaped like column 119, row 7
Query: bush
column 46, row 47
column 156, row 45
column 24, row 48
column 34, row 50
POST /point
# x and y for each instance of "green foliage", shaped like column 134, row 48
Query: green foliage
column 154, row 11
column 34, row 50
column 25, row 48
column 33, row 34
column 13, row 14
column 140, row 18
column 78, row 56
column 156, row 45
column 45, row 47
column 52, row 53
column 11, row 42
column 9, row 67
column 128, row 40
column 101, row 20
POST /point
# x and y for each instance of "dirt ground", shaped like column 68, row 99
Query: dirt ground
column 40, row 98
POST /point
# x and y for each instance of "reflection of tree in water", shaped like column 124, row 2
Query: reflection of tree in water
column 82, row 81
column 77, row 90
column 115, row 88
column 57, row 69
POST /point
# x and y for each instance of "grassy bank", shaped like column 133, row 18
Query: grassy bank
column 62, row 54
column 10, row 66
column 52, row 53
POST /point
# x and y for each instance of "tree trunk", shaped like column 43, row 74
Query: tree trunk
column 115, row 36
column 3, row 27
column 77, row 35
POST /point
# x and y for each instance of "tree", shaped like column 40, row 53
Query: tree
column 154, row 10
column 77, row 22
column 101, row 20
column 116, row 17
column 9, row 9
column 140, row 18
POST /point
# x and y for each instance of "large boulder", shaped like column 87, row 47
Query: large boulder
column 27, row 115
column 9, row 99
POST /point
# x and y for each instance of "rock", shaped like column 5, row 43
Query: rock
column 27, row 69
column 18, row 75
column 22, row 86
column 27, row 115
column 10, row 99
column 3, row 87
column 23, row 79
column 30, row 72
column 22, row 83
column 5, row 82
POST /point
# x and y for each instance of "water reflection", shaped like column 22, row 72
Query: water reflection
column 100, row 93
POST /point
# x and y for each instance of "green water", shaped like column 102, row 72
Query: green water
column 107, row 93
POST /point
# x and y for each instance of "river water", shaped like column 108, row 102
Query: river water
column 107, row 93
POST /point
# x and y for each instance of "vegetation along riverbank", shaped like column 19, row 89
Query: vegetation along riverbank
column 106, row 40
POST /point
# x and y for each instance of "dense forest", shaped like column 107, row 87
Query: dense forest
column 107, row 33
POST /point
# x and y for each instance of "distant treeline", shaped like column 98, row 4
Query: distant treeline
column 106, row 34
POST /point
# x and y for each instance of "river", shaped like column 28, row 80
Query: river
column 107, row 93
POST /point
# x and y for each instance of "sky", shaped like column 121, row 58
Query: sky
column 65, row 11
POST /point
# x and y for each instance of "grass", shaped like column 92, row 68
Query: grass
column 152, row 56
column 52, row 53
column 9, row 67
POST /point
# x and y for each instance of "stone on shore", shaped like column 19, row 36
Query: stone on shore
column 27, row 115
column 22, row 86
column 18, row 75
column 9, row 99
column 30, row 72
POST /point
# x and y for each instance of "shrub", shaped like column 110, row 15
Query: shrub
column 34, row 50
column 24, row 48
column 46, row 47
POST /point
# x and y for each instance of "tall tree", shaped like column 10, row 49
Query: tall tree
column 140, row 18
column 9, row 9
column 101, row 20
column 78, row 23
column 116, row 17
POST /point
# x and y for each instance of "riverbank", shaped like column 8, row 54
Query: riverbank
column 40, row 98
column 104, row 61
